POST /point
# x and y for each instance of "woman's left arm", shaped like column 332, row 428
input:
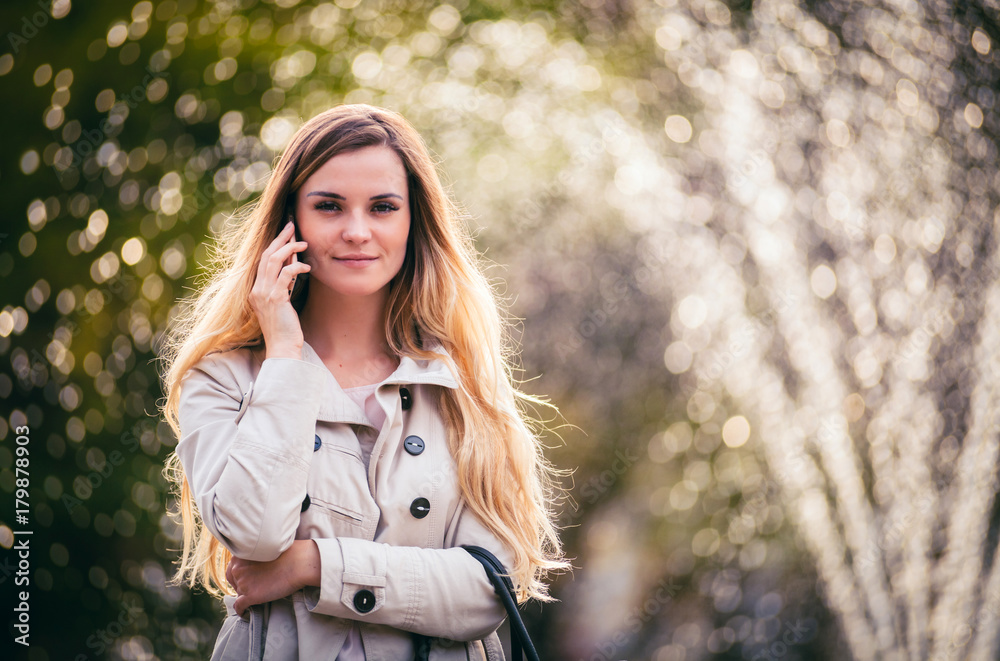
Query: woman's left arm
column 434, row 592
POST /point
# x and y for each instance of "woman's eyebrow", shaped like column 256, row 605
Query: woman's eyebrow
column 338, row 196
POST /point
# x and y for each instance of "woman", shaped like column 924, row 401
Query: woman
column 346, row 415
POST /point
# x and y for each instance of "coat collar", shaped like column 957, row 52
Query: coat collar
column 336, row 406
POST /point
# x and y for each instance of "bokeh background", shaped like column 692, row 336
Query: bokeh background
column 749, row 248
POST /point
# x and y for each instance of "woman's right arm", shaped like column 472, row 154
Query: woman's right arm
column 247, row 455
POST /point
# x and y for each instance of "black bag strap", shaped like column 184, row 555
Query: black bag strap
column 520, row 642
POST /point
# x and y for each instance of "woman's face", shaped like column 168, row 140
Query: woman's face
column 354, row 214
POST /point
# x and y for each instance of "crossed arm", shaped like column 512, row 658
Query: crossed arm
column 260, row 582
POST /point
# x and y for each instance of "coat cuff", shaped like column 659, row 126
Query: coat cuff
column 353, row 577
column 325, row 599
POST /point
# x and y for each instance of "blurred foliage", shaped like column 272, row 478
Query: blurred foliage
column 750, row 243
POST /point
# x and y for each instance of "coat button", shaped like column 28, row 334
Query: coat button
column 364, row 601
column 414, row 445
column 317, row 443
column 406, row 398
column 305, row 503
column 420, row 508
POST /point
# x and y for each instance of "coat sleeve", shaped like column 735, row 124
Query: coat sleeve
column 434, row 592
column 246, row 455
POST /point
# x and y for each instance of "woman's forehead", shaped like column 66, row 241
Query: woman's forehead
column 377, row 166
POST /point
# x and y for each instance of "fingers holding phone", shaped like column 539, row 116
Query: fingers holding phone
column 270, row 296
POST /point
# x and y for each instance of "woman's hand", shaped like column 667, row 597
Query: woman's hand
column 270, row 296
column 260, row 582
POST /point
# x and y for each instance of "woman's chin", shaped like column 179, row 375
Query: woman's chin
column 351, row 292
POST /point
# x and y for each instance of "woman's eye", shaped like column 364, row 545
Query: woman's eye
column 385, row 207
column 327, row 206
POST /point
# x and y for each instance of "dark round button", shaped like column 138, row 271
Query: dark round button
column 414, row 445
column 420, row 508
column 305, row 503
column 406, row 398
column 364, row 600
column 317, row 443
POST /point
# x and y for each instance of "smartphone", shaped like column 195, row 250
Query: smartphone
column 296, row 287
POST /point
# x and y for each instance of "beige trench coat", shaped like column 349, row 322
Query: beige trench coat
column 270, row 449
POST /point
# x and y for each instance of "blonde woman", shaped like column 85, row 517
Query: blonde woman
column 346, row 416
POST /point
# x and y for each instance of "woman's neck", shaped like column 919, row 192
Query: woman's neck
column 348, row 334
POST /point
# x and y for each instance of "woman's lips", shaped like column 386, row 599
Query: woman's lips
column 356, row 261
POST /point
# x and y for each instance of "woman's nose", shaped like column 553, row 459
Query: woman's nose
column 356, row 230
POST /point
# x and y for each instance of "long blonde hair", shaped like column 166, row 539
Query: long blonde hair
column 439, row 294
